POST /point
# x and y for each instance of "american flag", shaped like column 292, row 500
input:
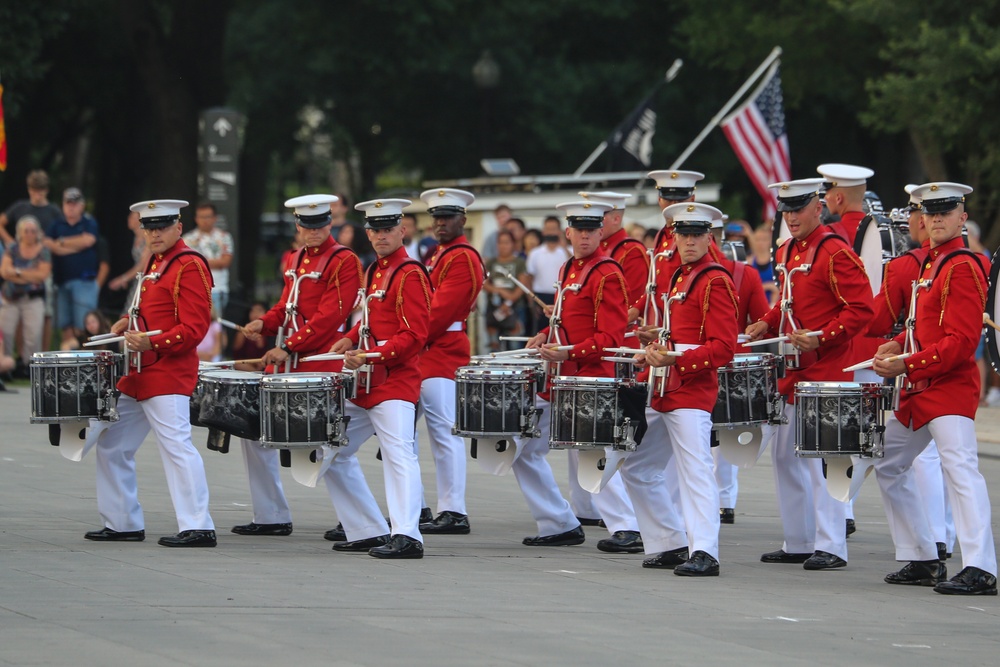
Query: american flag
column 757, row 133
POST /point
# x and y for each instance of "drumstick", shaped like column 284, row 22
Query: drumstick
column 101, row 336
column 625, row 350
column 232, row 362
column 988, row 321
column 630, row 334
column 504, row 272
column 779, row 339
column 229, row 325
column 620, row 360
column 338, row 357
column 118, row 339
column 871, row 362
column 511, row 353
column 516, row 339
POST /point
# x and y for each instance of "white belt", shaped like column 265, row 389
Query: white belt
column 455, row 326
column 684, row 347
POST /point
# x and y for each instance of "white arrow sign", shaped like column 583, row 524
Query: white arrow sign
column 222, row 126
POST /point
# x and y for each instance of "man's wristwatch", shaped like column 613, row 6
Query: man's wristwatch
column 284, row 348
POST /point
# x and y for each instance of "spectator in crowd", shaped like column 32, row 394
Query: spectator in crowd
column 216, row 246
column 637, row 231
column 502, row 213
column 506, row 310
column 37, row 205
column 72, row 240
column 288, row 256
column 649, row 238
column 211, row 346
column 411, row 236
column 517, row 230
column 140, row 258
column 25, row 267
column 6, row 362
column 543, row 267
column 94, row 324
column 758, row 243
column 532, row 239
column 243, row 346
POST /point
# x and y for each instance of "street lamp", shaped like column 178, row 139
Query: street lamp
column 486, row 76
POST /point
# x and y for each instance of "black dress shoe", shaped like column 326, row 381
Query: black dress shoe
column 189, row 538
column 781, row 556
column 727, row 515
column 699, row 565
column 263, row 529
column 361, row 545
column 567, row 539
column 919, row 573
column 851, row 527
column 970, row 581
column 426, row 515
column 667, row 560
column 336, row 534
column 590, row 522
column 943, row 553
column 399, row 546
column 108, row 535
column 447, row 523
column 822, row 560
column 622, row 542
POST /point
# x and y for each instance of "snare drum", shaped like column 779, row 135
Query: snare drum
column 304, row 409
column 231, row 402
column 840, row 418
column 748, row 392
column 73, row 386
column 587, row 413
column 533, row 363
column 496, row 401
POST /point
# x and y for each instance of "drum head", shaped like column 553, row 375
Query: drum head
column 231, row 377
column 868, row 246
column 993, row 311
column 70, row 357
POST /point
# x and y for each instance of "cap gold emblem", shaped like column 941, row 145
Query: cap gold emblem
column 378, row 204
column 674, row 175
column 934, row 188
column 440, row 193
column 151, row 205
column 690, row 208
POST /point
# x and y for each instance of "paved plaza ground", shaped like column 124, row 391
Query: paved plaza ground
column 479, row 599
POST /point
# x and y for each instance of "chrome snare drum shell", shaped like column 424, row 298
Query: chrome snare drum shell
column 496, row 400
column 840, row 419
column 73, row 386
column 748, row 392
column 587, row 413
column 230, row 402
column 303, row 409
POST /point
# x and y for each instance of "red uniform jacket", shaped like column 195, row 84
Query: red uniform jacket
column 707, row 318
column 834, row 296
column 631, row 255
column 457, row 278
column 892, row 301
column 324, row 303
column 399, row 324
column 593, row 318
column 179, row 303
column 948, row 325
column 847, row 227
column 749, row 288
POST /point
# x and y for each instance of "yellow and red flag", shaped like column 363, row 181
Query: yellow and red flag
column 3, row 137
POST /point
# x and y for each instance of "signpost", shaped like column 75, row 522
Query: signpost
column 220, row 132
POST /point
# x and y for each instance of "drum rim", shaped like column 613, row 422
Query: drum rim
column 221, row 374
column 486, row 370
column 71, row 355
column 571, row 380
column 314, row 379
column 739, row 360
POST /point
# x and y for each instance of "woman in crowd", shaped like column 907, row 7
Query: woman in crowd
column 25, row 267
column 506, row 312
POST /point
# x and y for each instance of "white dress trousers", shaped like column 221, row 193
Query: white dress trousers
column 727, row 479
column 611, row 503
column 267, row 495
column 682, row 435
column 811, row 518
column 392, row 423
column 908, row 521
column 930, row 486
column 437, row 404
column 534, row 475
column 117, row 489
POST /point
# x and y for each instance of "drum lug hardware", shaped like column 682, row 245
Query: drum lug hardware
column 473, row 446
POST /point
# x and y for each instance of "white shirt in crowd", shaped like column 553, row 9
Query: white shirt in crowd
column 543, row 267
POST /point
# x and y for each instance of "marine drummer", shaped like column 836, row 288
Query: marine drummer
column 939, row 400
column 844, row 188
column 833, row 298
column 703, row 330
column 162, row 371
column 310, row 319
column 456, row 274
column 592, row 318
column 398, row 298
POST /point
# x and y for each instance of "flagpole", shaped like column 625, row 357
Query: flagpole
column 671, row 74
column 775, row 54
